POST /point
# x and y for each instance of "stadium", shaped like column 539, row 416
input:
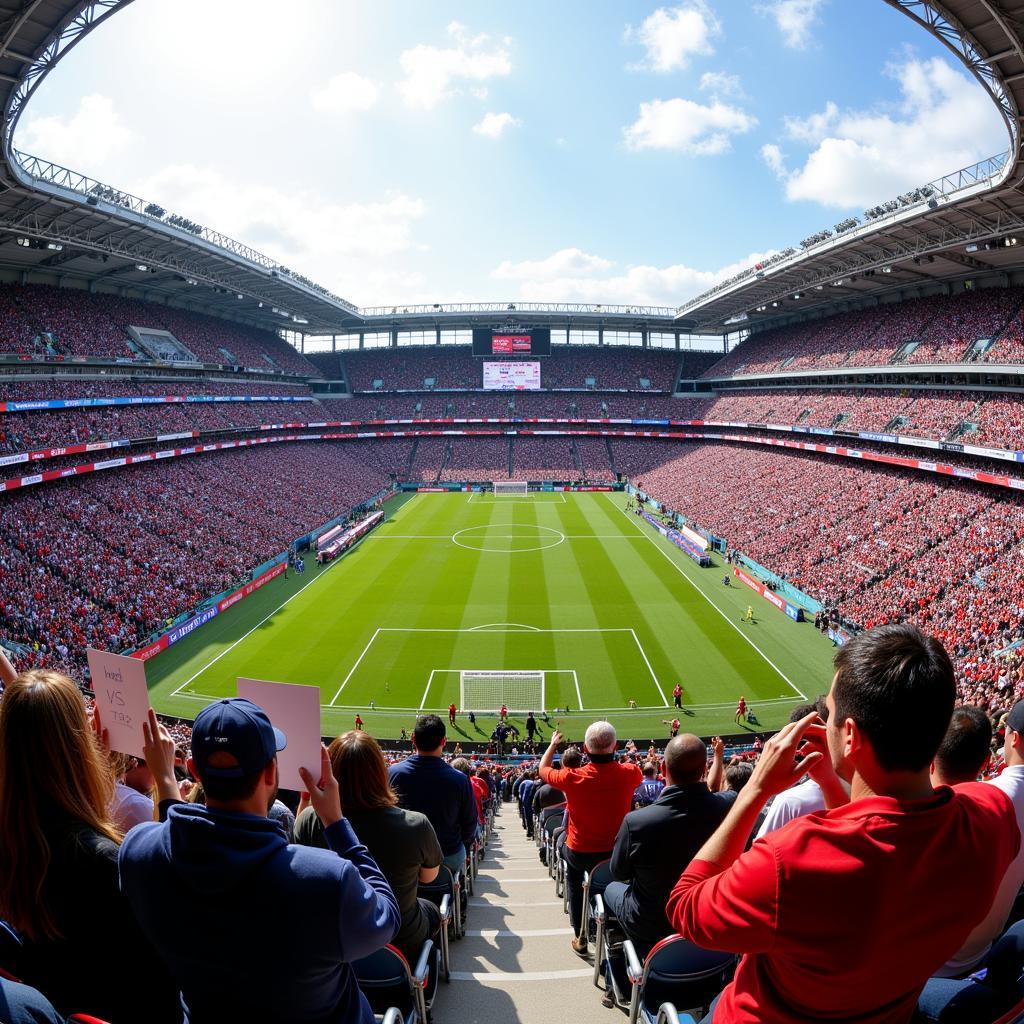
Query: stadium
column 656, row 536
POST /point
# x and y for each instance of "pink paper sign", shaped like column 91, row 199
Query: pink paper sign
column 295, row 710
column 122, row 698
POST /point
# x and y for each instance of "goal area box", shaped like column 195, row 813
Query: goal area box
column 520, row 692
column 512, row 488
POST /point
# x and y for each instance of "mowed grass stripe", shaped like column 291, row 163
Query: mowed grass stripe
column 607, row 575
column 704, row 663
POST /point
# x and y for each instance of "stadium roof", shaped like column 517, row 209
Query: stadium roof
column 967, row 225
column 56, row 222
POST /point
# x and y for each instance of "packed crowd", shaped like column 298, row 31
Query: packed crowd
column 870, row 798
column 105, row 560
column 446, row 367
column 41, row 320
column 878, row 544
column 938, row 329
column 989, row 419
column 851, row 803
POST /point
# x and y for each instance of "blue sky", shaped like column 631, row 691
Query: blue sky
column 583, row 150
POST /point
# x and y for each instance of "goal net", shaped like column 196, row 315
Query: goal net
column 509, row 487
column 487, row 691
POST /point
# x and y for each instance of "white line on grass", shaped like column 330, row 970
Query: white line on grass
column 344, row 682
column 471, row 629
column 430, row 683
column 226, row 650
column 579, row 696
column 643, row 654
column 724, row 615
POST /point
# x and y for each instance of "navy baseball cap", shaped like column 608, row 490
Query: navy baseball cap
column 237, row 727
column 1015, row 719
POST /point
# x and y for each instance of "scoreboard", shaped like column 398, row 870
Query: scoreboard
column 506, row 342
column 514, row 375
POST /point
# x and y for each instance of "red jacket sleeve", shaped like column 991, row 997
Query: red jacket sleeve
column 736, row 910
column 557, row 777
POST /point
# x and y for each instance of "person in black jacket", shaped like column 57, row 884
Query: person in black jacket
column 655, row 843
column 81, row 946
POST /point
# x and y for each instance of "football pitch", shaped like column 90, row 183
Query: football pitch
column 565, row 584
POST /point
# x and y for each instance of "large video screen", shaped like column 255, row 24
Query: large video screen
column 512, row 376
column 511, row 343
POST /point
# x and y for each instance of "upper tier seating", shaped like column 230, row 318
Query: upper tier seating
column 41, row 320
column 937, row 329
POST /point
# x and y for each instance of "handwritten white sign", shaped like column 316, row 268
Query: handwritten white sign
column 122, row 698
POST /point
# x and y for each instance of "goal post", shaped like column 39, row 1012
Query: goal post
column 509, row 487
column 489, row 690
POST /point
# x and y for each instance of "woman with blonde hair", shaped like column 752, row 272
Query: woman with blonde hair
column 58, row 860
column 402, row 842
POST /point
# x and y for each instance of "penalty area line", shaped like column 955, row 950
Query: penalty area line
column 344, row 682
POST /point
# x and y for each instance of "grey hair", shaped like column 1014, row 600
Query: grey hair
column 600, row 738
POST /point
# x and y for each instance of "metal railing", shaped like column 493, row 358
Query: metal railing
column 941, row 190
column 96, row 192
column 661, row 312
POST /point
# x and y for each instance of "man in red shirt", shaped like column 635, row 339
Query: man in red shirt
column 599, row 795
column 451, row 713
column 842, row 915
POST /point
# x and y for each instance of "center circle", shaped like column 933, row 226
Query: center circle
column 508, row 539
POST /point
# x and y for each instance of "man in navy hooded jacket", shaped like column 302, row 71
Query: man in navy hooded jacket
column 253, row 928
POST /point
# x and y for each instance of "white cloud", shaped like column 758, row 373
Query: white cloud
column 944, row 121
column 354, row 248
column 687, row 126
column 344, row 93
column 431, row 72
column 493, row 125
column 815, row 127
column 719, row 83
column 564, row 263
column 795, row 20
column 671, row 36
column 772, row 156
column 83, row 140
column 571, row 275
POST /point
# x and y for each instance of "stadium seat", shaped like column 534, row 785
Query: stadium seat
column 675, row 970
column 446, row 885
column 551, row 825
column 387, row 981
column 594, row 882
column 667, row 1015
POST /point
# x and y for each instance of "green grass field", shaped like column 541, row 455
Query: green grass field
column 565, row 583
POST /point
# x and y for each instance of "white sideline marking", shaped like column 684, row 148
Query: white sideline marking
column 501, row 933
column 579, row 696
column 643, row 654
column 226, row 650
column 504, row 979
column 344, row 682
column 724, row 615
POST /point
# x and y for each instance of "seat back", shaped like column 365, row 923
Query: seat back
column 678, row 971
column 385, row 979
column 443, row 885
column 600, row 876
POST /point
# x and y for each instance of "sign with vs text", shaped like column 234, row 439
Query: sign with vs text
column 122, row 698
